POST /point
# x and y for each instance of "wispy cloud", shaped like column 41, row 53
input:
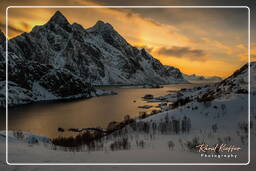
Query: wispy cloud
column 183, row 52
column 185, row 38
column 11, row 29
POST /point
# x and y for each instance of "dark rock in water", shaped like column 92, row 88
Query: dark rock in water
column 148, row 96
column 61, row 130
column 74, row 130
column 155, row 112
column 152, row 86
column 145, row 106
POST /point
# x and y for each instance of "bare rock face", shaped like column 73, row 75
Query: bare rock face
column 2, row 46
column 63, row 83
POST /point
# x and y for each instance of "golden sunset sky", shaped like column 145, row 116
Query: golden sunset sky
column 197, row 41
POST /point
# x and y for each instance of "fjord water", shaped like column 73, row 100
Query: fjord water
column 45, row 119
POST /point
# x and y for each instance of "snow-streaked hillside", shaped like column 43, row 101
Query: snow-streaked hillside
column 30, row 81
column 236, row 84
column 59, row 60
column 222, row 119
column 99, row 55
column 153, row 147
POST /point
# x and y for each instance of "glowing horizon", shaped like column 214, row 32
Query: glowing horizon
column 213, row 52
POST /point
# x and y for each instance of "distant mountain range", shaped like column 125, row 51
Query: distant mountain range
column 201, row 79
column 62, row 60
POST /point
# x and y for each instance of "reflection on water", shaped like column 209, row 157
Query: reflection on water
column 44, row 119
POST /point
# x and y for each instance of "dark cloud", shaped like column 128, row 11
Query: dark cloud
column 222, row 19
column 183, row 52
column 129, row 15
column 153, row 22
column 175, row 2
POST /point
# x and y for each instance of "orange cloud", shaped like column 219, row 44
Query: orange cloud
column 183, row 52
column 194, row 55
column 214, row 44
column 253, row 52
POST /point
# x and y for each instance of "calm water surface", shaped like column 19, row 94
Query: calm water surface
column 44, row 119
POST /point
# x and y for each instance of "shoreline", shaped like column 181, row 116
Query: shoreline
column 62, row 99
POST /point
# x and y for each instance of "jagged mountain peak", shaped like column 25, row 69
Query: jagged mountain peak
column 58, row 18
column 193, row 78
column 78, row 26
column 101, row 26
column 143, row 50
column 145, row 53
column 99, row 55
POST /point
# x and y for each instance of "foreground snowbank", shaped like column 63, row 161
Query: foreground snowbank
column 150, row 146
column 24, row 137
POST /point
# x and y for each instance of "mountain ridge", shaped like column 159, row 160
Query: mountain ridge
column 99, row 54
column 193, row 78
column 59, row 60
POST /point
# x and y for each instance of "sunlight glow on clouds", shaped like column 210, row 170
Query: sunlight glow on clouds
column 200, row 42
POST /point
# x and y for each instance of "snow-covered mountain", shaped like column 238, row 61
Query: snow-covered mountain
column 201, row 79
column 30, row 81
column 61, row 60
column 234, row 85
column 237, row 83
column 99, row 55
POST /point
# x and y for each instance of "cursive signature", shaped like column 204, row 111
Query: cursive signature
column 217, row 148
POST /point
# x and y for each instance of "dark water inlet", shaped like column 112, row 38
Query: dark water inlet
column 45, row 119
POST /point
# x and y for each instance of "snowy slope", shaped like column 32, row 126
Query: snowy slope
column 155, row 144
column 235, row 84
column 220, row 121
column 232, row 93
column 30, row 81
